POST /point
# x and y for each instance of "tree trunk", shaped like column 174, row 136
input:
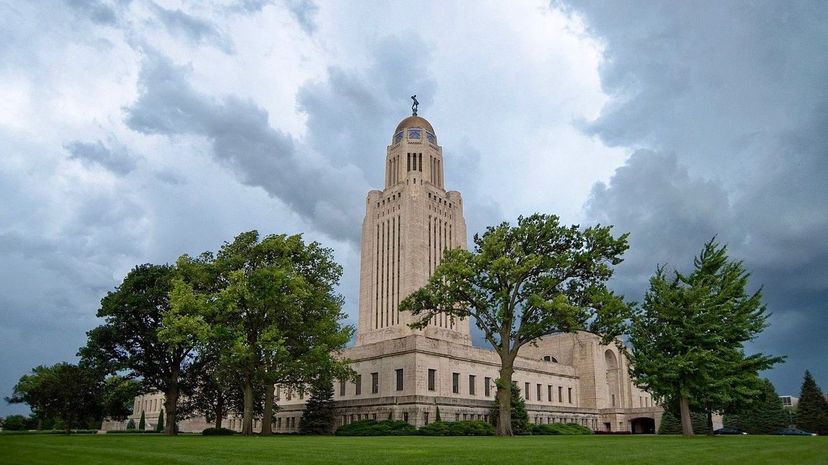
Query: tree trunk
column 247, row 418
column 171, row 404
column 219, row 411
column 504, row 399
column 267, row 416
column 686, row 421
column 710, row 423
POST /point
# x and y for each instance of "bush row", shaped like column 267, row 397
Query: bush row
column 448, row 428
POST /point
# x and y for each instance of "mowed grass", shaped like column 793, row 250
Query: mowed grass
column 297, row 450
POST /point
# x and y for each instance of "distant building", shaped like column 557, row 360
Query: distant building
column 789, row 401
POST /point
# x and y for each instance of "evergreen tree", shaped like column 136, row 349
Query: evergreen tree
column 142, row 423
column 159, row 428
column 437, row 416
column 318, row 417
column 671, row 422
column 520, row 419
column 765, row 415
column 812, row 412
column 687, row 338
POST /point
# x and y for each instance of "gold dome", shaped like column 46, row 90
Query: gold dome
column 414, row 122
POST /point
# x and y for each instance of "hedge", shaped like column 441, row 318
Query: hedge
column 377, row 428
column 458, row 428
column 218, row 432
column 560, row 428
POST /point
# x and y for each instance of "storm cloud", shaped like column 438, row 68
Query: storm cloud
column 725, row 108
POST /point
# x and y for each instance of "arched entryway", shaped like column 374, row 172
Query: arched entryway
column 642, row 425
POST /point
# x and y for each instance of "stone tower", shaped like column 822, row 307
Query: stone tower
column 407, row 227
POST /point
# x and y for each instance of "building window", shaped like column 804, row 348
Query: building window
column 358, row 385
column 526, row 390
column 374, row 383
column 487, row 390
column 341, row 388
column 399, row 379
column 613, row 400
column 539, row 396
column 569, row 390
column 405, row 417
column 455, row 383
column 425, row 417
column 560, row 393
column 456, row 417
column 373, row 416
column 471, row 385
column 432, row 379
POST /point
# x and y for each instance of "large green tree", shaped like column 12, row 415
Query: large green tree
column 129, row 342
column 812, row 411
column 687, row 338
column 119, row 397
column 765, row 415
column 272, row 311
column 62, row 391
column 523, row 282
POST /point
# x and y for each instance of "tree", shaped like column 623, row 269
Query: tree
column 64, row 391
column 142, row 423
column 215, row 391
column 17, row 423
column 119, row 397
column 687, row 338
column 765, row 415
column 272, row 310
column 129, row 339
column 159, row 426
column 812, row 413
column 524, row 282
column 318, row 416
column 519, row 416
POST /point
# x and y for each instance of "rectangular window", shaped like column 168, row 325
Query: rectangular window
column 455, row 383
column 405, row 417
column 471, row 385
column 487, row 390
column 432, row 380
column 538, row 396
column 570, row 395
column 358, row 385
column 560, row 393
column 374, row 383
column 526, row 390
column 341, row 388
column 549, row 393
column 399, row 379
column 425, row 417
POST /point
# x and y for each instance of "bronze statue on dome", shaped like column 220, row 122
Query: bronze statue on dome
column 414, row 105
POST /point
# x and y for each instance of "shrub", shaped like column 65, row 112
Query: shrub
column 458, row 428
column 560, row 429
column 377, row 428
column 16, row 423
column 218, row 432
column 131, row 425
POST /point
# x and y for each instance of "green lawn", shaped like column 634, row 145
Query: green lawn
column 295, row 450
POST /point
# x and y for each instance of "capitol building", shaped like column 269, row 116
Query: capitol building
column 407, row 374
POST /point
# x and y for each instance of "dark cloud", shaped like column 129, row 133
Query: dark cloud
column 736, row 94
column 324, row 194
column 352, row 114
column 304, row 11
column 118, row 161
column 195, row 29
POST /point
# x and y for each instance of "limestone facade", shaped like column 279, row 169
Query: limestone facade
column 408, row 374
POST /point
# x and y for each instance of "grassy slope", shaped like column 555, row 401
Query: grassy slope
column 296, row 450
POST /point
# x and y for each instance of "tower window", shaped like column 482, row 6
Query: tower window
column 432, row 379
column 374, row 383
column 487, row 390
column 358, row 385
column 455, row 383
column 471, row 384
column 399, row 372
column 421, row 162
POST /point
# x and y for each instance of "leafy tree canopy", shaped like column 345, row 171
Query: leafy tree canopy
column 526, row 281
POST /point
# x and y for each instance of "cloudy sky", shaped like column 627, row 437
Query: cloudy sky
column 136, row 131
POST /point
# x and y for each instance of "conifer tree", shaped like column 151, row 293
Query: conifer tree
column 812, row 412
column 437, row 416
column 687, row 338
column 318, row 417
column 142, row 423
column 160, row 426
column 765, row 415
column 520, row 419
